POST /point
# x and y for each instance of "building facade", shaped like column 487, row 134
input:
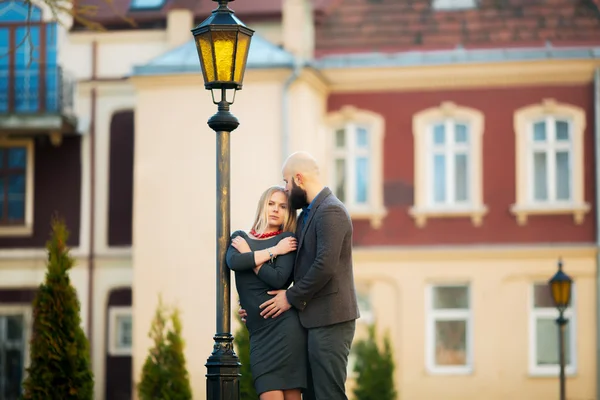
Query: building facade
column 461, row 135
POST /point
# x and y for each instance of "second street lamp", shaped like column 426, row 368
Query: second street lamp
column 223, row 43
column 560, row 287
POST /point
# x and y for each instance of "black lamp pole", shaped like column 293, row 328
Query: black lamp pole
column 561, row 321
column 223, row 44
column 560, row 288
column 223, row 366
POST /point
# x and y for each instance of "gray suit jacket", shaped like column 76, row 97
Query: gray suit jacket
column 323, row 289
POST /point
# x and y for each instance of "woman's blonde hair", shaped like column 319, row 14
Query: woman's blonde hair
column 261, row 222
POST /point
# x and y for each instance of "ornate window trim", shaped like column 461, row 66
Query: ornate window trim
column 523, row 118
column 422, row 209
column 374, row 210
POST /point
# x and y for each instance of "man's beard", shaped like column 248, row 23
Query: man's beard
column 298, row 198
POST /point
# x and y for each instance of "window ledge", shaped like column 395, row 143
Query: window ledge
column 375, row 215
column 522, row 212
column 552, row 372
column 14, row 231
column 421, row 214
column 462, row 370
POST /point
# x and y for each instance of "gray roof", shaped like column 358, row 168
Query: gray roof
column 265, row 55
column 455, row 56
column 184, row 59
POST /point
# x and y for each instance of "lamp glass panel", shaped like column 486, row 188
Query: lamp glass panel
column 204, row 45
column 224, row 43
column 243, row 46
column 561, row 293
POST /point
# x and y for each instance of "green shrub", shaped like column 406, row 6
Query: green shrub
column 241, row 344
column 164, row 375
column 59, row 365
column 374, row 368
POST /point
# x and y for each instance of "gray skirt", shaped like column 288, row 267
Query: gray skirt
column 279, row 355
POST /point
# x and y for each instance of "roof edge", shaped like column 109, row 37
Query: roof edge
column 456, row 56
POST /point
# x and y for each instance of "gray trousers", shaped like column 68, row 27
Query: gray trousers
column 328, row 349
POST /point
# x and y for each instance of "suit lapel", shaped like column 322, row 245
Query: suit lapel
column 318, row 200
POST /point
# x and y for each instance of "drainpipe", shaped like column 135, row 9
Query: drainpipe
column 91, row 252
column 597, row 185
column 285, row 128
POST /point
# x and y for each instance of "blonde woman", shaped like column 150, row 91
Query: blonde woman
column 263, row 260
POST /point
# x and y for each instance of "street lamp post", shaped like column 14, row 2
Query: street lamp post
column 560, row 287
column 223, row 43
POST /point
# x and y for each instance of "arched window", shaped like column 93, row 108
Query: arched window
column 356, row 142
column 29, row 74
column 549, row 149
column 448, row 163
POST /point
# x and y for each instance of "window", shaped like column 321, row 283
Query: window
column 120, row 331
column 448, row 178
column 145, row 4
column 448, row 333
column 549, row 149
column 16, row 187
column 453, row 4
column 19, row 11
column 352, row 161
column 543, row 334
column 449, row 169
column 550, row 158
column 357, row 166
column 14, row 323
column 27, row 85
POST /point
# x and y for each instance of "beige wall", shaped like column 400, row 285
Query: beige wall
column 500, row 281
column 175, row 178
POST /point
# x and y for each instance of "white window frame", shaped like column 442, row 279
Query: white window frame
column 350, row 118
column 349, row 154
column 114, row 312
column 423, row 123
column 27, row 313
column 447, row 315
column 449, row 150
column 446, row 5
column 550, row 147
column 552, row 313
column 27, row 228
column 523, row 120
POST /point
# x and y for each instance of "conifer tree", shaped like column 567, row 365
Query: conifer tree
column 164, row 375
column 375, row 369
column 59, row 368
column 242, row 349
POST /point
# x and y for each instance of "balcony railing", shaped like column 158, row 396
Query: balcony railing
column 39, row 89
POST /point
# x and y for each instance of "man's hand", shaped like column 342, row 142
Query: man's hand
column 242, row 313
column 276, row 306
column 240, row 244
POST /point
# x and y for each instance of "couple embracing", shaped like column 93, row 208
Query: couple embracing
column 300, row 335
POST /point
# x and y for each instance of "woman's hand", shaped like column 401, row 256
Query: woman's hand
column 240, row 244
column 286, row 245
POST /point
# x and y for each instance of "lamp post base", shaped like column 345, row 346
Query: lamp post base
column 223, row 370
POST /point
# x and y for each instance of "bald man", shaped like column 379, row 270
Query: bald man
column 323, row 290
